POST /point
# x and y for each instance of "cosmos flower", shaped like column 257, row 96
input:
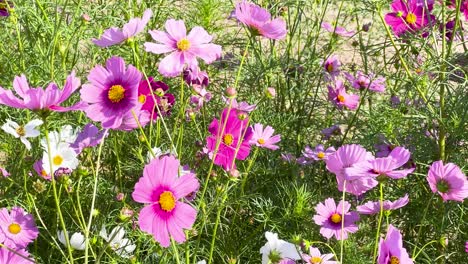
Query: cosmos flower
column 315, row 257
column 318, row 153
column 4, row 173
column 363, row 81
column 370, row 208
column 338, row 96
column 391, row 249
column 330, row 131
column 66, row 134
column 111, row 92
column 331, row 67
column 276, row 250
column 128, row 120
column 17, row 256
column 408, row 16
column 117, row 241
column 90, row 136
column 63, row 156
column 340, row 31
column 39, row 169
column 23, row 132
column 330, row 217
column 151, row 90
column 448, row 181
column 18, row 228
column 201, row 97
column 196, row 77
column 37, row 99
column 264, row 138
column 161, row 189
column 259, row 22
column 113, row 35
column 77, row 240
column 240, row 106
column 184, row 49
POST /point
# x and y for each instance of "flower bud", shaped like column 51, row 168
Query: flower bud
column 230, row 92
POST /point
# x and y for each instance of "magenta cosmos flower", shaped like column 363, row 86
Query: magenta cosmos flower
column 448, row 180
column 40, row 99
column 331, row 67
column 315, row 257
column 329, row 217
column 318, row 153
column 370, row 208
column 111, row 92
column 184, row 49
column 115, row 35
column 233, row 142
column 151, row 90
column 345, row 157
column 408, row 16
column 391, row 249
column 18, row 228
column 17, row 256
column 338, row 96
column 259, row 21
column 264, row 138
column 363, row 81
column 340, row 31
column 161, row 189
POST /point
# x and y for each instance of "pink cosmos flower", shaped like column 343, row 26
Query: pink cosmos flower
column 158, row 89
column 111, row 92
column 363, row 81
column 128, row 120
column 201, row 97
column 330, row 131
column 259, row 21
column 315, row 257
column 345, row 157
column 90, row 136
column 408, row 16
column 41, row 172
column 17, row 256
column 329, row 217
column 391, row 249
column 234, row 141
column 161, row 189
column 241, row 106
column 338, row 96
column 113, row 35
column 17, row 228
column 184, row 48
column 331, row 67
column 4, row 172
column 318, row 153
column 448, row 180
column 196, row 77
column 370, row 208
column 264, row 138
column 39, row 99
column 340, row 31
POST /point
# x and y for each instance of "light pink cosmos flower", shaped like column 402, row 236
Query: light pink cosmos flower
column 331, row 67
column 370, row 208
column 315, row 257
column 338, row 96
column 39, row 99
column 259, row 21
column 391, row 249
column 113, row 35
column 18, row 228
column 448, row 180
column 340, row 31
column 17, row 256
column 184, row 49
column 241, row 106
column 161, row 189
column 345, row 157
column 264, row 138
column 330, row 217
column 363, row 81
column 4, row 172
column 318, row 153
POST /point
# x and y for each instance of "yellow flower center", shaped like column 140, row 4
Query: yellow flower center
column 340, row 98
column 228, row 139
column 43, row 173
column 183, row 44
column 330, row 67
column 335, row 218
column 57, row 160
column 394, row 260
column 321, row 155
column 14, row 228
column 261, row 141
column 116, row 93
column 167, row 201
column 315, row 260
column 142, row 99
column 411, row 18
column 20, row 131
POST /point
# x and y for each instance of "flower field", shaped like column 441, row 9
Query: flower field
column 246, row 131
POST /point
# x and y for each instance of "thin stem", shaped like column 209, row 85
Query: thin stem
column 379, row 225
column 342, row 221
column 176, row 252
column 421, row 224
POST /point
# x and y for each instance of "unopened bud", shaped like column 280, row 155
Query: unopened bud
column 230, row 92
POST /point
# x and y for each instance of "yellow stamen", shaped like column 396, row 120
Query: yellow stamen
column 340, row 98
column 261, row 141
column 320, row 155
column 411, row 18
column 21, row 131
column 57, row 160
column 116, row 93
column 315, row 260
column 142, row 99
column 167, row 201
column 14, row 228
column 183, row 44
column 228, row 139
column 330, row 67
column 394, row 260
column 335, row 218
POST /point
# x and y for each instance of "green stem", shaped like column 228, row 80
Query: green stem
column 421, row 224
column 176, row 252
column 379, row 225
column 342, row 221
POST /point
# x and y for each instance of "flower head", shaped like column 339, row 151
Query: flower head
column 448, row 181
column 276, row 250
column 391, row 249
column 240, row 106
column 330, row 131
column 115, row 35
column 318, row 153
column 4, row 173
column 408, row 16
column 162, row 189
column 62, row 155
column 112, row 92
column 331, row 67
column 150, row 93
column 340, row 31
column 259, row 21
column 90, row 136
column 370, row 208
column 338, row 96
column 18, row 228
column 117, row 241
column 363, row 81
column 264, row 137
column 184, row 49
column 23, row 132
column 315, row 257
column 330, row 217
column 196, row 77
column 77, row 240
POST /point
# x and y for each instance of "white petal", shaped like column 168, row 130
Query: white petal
column 26, row 143
column 8, row 128
column 103, row 234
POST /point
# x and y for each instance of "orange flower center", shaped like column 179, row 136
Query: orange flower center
column 340, row 98
column 183, row 44
column 321, row 155
column 14, row 228
column 228, row 139
column 315, row 260
column 167, row 201
column 330, row 67
column 261, row 141
column 57, row 160
column 142, row 98
column 411, row 18
column 116, row 93
column 394, row 260
column 335, row 218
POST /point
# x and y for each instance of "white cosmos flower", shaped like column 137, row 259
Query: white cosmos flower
column 66, row 135
column 23, row 132
column 77, row 240
column 277, row 249
column 63, row 156
column 122, row 246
